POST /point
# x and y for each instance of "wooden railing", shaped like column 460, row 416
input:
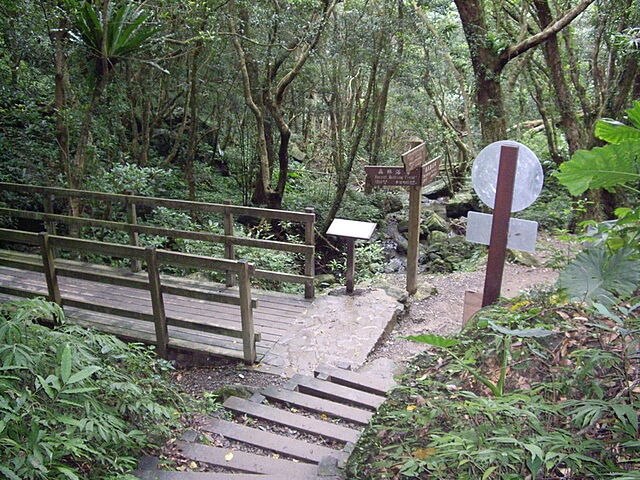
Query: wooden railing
column 53, row 267
column 134, row 229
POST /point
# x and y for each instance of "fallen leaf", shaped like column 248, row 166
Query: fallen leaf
column 411, row 408
column 423, row 453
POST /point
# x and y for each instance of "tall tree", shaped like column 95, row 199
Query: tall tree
column 109, row 35
column 267, row 75
column 489, row 60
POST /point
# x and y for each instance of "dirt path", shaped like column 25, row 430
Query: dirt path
column 438, row 306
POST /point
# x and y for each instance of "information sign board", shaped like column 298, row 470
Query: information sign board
column 393, row 176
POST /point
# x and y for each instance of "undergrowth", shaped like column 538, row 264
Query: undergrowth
column 75, row 403
column 536, row 388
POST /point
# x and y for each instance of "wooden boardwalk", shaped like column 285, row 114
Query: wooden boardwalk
column 274, row 315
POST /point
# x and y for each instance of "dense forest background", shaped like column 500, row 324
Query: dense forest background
column 282, row 103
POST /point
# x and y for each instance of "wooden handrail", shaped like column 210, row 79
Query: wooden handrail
column 266, row 213
column 153, row 258
column 229, row 239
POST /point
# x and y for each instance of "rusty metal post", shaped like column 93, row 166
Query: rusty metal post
column 500, row 224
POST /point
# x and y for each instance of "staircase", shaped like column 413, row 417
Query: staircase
column 302, row 430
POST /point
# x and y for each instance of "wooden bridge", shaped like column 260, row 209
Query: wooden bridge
column 229, row 319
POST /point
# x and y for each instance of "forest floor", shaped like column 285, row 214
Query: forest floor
column 437, row 308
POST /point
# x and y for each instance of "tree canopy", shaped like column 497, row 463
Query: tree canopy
column 262, row 93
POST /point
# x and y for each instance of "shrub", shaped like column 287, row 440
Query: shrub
column 75, row 403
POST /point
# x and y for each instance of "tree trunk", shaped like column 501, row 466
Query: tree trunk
column 564, row 100
column 488, row 63
column 58, row 37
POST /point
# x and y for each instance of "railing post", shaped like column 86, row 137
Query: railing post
column 246, row 313
column 229, row 247
column 132, row 219
column 48, row 208
column 48, row 263
column 309, row 258
column 157, row 302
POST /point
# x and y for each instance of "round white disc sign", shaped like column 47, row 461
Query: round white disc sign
column 529, row 175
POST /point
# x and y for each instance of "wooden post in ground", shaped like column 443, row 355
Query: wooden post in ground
column 413, row 237
column 246, row 313
column 229, row 247
column 48, row 208
column 309, row 258
column 500, row 224
column 132, row 219
column 157, row 302
column 48, row 261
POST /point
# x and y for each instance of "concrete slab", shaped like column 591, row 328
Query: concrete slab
column 336, row 329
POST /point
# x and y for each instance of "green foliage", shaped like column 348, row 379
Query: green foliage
column 613, row 165
column 610, row 269
column 75, row 403
column 130, row 178
column 597, row 275
column 567, row 409
column 126, row 30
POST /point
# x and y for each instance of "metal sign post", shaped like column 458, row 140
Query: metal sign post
column 507, row 177
column 500, row 226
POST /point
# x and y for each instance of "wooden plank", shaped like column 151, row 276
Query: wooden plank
column 22, row 261
column 163, row 202
column 292, row 447
column 336, row 392
column 358, row 381
column 19, row 236
column 281, row 277
column 245, row 462
column 318, row 405
column 101, row 248
column 298, row 422
column 275, row 314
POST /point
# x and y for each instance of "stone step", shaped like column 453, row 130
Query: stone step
column 167, row 475
column 305, row 424
column 358, row 381
column 318, row 405
column 246, row 462
column 292, row 447
column 335, row 392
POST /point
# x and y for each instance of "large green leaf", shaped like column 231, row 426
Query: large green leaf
column 612, row 131
column 602, row 167
column 596, row 275
column 633, row 115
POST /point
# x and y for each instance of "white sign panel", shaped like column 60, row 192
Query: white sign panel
column 351, row 229
column 522, row 233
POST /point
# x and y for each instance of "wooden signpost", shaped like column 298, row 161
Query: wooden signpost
column 414, row 175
